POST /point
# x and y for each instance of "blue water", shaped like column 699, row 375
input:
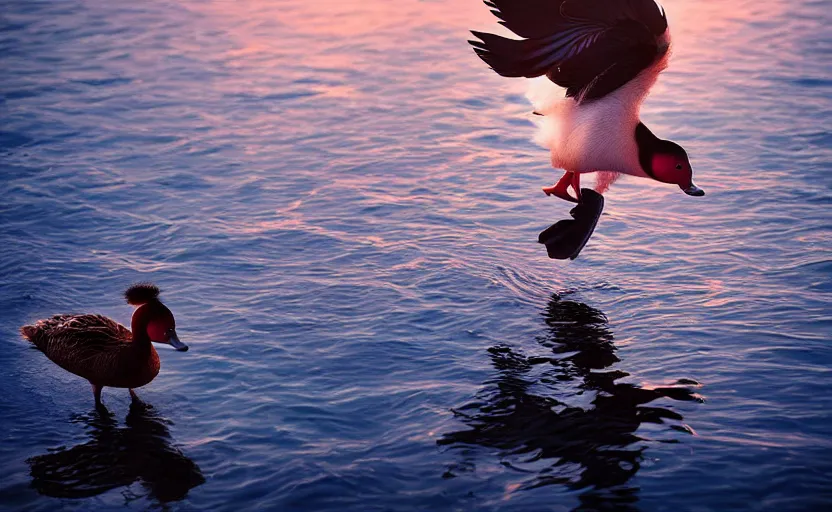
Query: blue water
column 341, row 204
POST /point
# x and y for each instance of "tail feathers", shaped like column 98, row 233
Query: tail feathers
column 29, row 332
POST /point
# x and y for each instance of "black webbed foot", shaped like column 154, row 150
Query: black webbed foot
column 565, row 238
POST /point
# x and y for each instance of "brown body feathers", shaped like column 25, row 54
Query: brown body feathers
column 96, row 348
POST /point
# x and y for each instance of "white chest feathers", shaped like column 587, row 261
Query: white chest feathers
column 596, row 136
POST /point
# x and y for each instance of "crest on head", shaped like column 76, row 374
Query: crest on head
column 141, row 293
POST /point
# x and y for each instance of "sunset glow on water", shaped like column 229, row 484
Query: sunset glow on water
column 341, row 203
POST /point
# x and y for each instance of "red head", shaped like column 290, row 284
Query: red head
column 152, row 319
column 670, row 164
column 665, row 161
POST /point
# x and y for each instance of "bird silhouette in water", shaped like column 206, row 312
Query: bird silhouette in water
column 563, row 418
column 113, row 457
column 607, row 55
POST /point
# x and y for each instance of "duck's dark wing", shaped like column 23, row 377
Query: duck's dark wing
column 81, row 344
column 590, row 47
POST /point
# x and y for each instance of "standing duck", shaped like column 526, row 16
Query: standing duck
column 105, row 352
column 607, row 54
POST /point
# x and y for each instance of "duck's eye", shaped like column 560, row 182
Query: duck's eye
column 679, row 167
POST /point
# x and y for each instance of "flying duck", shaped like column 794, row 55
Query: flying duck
column 607, row 54
column 105, row 352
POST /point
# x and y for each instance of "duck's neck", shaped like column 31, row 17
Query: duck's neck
column 138, row 326
column 647, row 144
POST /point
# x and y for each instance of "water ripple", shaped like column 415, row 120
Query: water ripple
column 341, row 205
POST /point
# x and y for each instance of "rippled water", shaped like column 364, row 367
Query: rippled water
column 341, row 205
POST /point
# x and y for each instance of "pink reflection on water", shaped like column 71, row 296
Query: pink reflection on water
column 401, row 66
column 351, row 18
column 712, row 30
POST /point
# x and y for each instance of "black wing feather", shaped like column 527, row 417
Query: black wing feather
column 646, row 12
column 533, row 19
column 620, row 54
column 590, row 47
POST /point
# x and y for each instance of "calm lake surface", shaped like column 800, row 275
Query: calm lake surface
column 341, row 204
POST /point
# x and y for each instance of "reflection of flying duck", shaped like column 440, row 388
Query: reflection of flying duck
column 105, row 352
column 118, row 457
column 607, row 54
column 525, row 412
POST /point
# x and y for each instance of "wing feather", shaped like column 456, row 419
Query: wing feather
column 590, row 47
column 85, row 345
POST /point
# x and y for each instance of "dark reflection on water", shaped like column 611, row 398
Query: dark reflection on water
column 118, row 457
column 525, row 412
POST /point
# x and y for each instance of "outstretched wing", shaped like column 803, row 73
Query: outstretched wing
column 590, row 47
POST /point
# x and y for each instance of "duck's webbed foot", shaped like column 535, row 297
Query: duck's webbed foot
column 565, row 238
column 561, row 188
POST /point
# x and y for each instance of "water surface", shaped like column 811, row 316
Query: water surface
column 341, row 204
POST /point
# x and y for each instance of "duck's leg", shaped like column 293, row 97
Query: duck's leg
column 134, row 397
column 96, row 391
column 576, row 185
column 561, row 188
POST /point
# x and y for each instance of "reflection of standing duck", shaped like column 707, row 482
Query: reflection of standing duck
column 526, row 409
column 118, row 457
column 105, row 352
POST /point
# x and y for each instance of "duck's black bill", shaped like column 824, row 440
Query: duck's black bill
column 693, row 190
column 565, row 238
column 175, row 343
